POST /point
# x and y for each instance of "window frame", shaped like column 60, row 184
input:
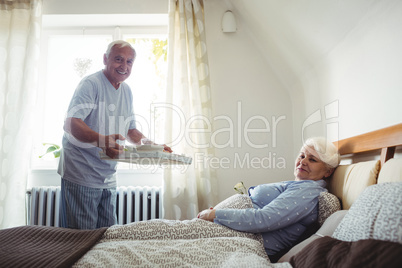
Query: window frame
column 69, row 27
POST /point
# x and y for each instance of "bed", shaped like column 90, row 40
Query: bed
column 360, row 225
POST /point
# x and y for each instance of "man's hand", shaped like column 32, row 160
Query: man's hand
column 167, row 148
column 207, row 214
column 111, row 147
column 136, row 137
column 82, row 132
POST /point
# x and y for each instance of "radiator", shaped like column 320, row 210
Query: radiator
column 132, row 204
column 138, row 204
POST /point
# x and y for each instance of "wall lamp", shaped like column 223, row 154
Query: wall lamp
column 228, row 22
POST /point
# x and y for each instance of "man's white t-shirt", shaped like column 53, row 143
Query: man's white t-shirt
column 105, row 110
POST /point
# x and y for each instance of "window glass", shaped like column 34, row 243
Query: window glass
column 69, row 59
column 148, row 83
column 69, row 56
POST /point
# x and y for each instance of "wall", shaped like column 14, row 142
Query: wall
column 245, row 87
column 362, row 73
column 105, row 6
column 338, row 60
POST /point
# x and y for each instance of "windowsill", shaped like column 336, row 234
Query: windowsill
column 125, row 177
column 151, row 170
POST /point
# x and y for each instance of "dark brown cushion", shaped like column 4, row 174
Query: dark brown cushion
column 330, row 252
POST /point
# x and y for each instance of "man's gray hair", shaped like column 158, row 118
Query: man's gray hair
column 327, row 151
column 121, row 44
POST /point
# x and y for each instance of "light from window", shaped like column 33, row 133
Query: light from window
column 71, row 57
column 148, row 83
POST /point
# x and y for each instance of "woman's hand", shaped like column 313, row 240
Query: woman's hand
column 207, row 214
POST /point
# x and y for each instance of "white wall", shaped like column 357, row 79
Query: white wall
column 105, row 6
column 362, row 73
column 343, row 55
column 240, row 73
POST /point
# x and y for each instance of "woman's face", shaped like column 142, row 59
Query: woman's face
column 309, row 166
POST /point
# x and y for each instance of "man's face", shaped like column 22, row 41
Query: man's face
column 118, row 65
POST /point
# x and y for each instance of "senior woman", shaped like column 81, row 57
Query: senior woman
column 283, row 211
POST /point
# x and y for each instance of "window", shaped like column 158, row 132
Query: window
column 71, row 51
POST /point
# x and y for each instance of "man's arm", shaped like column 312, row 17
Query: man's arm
column 134, row 136
column 84, row 133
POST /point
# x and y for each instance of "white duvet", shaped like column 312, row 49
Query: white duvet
column 166, row 243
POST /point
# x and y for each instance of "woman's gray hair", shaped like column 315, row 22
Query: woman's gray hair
column 120, row 43
column 327, row 151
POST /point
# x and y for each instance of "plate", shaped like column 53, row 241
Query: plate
column 150, row 147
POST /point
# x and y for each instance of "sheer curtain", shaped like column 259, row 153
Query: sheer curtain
column 20, row 25
column 188, row 189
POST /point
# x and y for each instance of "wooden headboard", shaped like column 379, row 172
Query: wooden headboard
column 350, row 180
column 385, row 139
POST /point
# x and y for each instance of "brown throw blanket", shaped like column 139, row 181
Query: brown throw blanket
column 41, row 246
column 330, row 252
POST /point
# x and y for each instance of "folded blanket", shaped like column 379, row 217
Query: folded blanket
column 41, row 246
column 330, row 252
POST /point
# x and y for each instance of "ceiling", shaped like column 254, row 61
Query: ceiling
column 295, row 35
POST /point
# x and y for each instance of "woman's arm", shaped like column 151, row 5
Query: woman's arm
column 207, row 214
column 298, row 201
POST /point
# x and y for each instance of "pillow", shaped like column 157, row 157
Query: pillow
column 237, row 201
column 391, row 171
column 349, row 181
column 330, row 252
column 376, row 214
column 327, row 205
column 329, row 226
column 327, row 229
column 299, row 247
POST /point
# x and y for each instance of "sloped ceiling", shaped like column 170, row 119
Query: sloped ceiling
column 295, row 35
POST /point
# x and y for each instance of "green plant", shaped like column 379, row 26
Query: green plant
column 52, row 148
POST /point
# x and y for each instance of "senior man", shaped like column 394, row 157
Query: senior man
column 100, row 116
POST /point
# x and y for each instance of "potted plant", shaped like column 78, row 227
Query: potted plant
column 52, row 148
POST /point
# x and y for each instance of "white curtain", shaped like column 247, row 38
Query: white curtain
column 188, row 189
column 20, row 26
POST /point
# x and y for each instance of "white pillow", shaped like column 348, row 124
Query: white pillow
column 391, row 171
column 376, row 214
column 330, row 225
column 349, row 181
